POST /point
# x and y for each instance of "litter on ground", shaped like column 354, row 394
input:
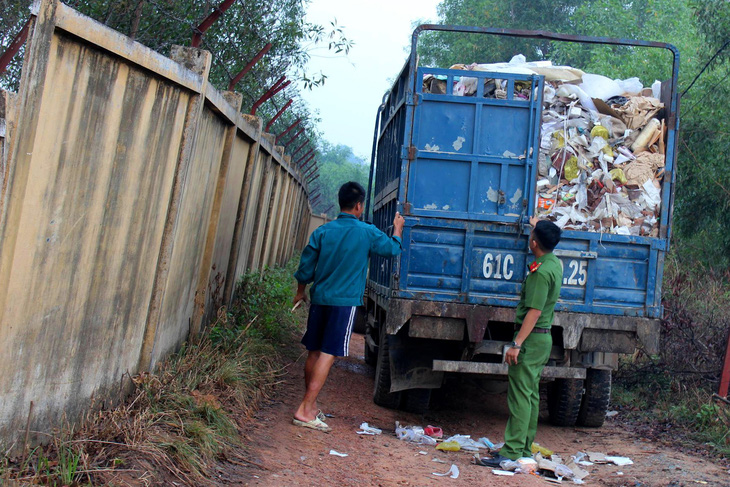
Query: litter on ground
column 453, row 472
column 366, row 429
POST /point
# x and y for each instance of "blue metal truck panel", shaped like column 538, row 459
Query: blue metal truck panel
column 485, row 263
column 462, row 170
column 473, row 155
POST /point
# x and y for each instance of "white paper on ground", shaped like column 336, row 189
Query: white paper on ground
column 338, row 454
column 620, row 461
column 453, row 472
column 366, row 429
column 502, row 472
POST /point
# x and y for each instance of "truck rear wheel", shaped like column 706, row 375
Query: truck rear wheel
column 596, row 398
column 382, row 395
column 360, row 321
column 416, row 400
column 371, row 354
column 564, row 400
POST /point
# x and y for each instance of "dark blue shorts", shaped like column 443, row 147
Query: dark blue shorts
column 329, row 329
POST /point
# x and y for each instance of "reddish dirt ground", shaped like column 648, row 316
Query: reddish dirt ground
column 281, row 454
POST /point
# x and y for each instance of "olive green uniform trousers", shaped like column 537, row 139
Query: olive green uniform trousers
column 523, row 395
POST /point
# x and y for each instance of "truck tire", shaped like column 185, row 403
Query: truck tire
column 564, row 400
column 595, row 400
column 416, row 400
column 382, row 395
column 371, row 356
column 360, row 321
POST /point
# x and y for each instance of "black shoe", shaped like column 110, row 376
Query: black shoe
column 491, row 462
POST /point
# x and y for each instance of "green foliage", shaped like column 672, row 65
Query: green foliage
column 713, row 21
column 337, row 165
column 260, row 309
column 653, row 20
column 68, row 464
column 445, row 49
column 703, row 179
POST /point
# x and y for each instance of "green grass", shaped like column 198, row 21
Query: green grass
column 184, row 416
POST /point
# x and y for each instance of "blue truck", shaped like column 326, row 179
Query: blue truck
column 463, row 171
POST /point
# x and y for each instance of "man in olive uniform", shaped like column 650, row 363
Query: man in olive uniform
column 530, row 350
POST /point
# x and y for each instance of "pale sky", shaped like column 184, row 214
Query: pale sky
column 348, row 102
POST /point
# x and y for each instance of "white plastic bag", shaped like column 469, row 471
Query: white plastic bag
column 597, row 86
column 656, row 89
column 631, row 86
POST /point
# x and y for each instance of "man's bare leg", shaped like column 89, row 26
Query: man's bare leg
column 316, row 370
column 309, row 366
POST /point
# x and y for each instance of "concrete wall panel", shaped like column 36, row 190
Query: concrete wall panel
column 190, row 235
column 98, row 181
column 214, row 294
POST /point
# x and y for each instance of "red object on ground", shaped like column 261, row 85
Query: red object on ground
column 725, row 377
column 433, row 431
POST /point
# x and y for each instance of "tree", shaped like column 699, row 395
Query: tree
column 652, row 20
column 233, row 40
column 703, row 180
column 444, row 49
column 337, row 165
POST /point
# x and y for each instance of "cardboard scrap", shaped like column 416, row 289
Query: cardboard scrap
column 578, row 473
column 596, row 457
column 620, row 461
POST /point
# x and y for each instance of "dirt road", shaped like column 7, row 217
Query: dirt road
column 281, row 454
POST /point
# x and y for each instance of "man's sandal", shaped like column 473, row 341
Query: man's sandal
column 315, row 424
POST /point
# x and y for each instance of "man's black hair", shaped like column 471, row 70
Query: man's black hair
column 547, row 235
column 350, row 194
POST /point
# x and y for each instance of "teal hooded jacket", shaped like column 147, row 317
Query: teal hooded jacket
column 336, row 260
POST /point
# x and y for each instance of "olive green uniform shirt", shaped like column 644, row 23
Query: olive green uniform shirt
column 541, row 290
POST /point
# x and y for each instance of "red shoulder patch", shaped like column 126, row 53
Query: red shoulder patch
column 535, row 266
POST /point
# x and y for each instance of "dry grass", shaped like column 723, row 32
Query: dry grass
column 672, row 393
column 185, row 416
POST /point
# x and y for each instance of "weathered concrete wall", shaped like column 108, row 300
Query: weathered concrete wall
column 129, row 188
column 315, row 221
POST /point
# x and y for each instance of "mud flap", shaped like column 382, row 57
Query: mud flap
column 411, row 363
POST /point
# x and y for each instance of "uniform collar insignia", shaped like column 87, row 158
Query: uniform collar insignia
column 535, row 266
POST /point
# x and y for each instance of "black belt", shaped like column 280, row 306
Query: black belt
column 535, row 330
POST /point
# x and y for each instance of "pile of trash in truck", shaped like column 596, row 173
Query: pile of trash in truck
column 602, row 148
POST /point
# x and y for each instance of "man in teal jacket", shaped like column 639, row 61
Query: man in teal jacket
column 335, row 261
